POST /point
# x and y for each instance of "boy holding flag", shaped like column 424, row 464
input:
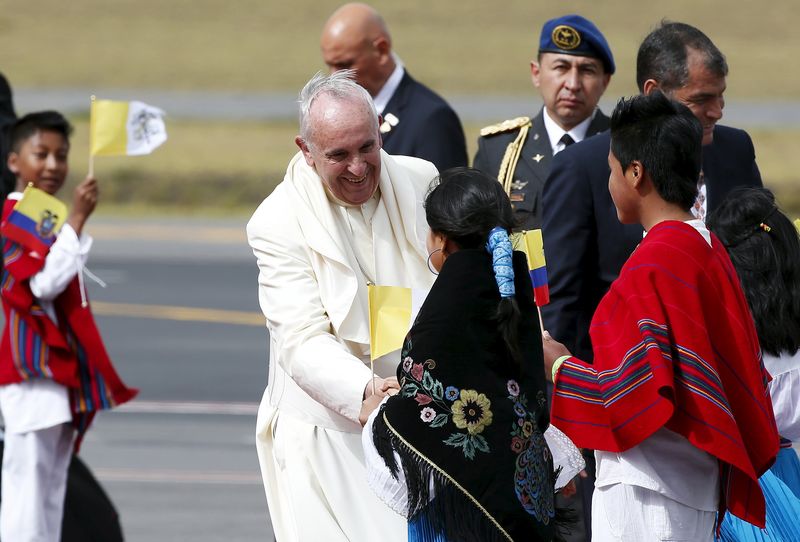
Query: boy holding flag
column 55, row 373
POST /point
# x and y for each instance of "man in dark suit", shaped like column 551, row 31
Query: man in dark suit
column 585, row 244
column 415, row 120
column 571, row 71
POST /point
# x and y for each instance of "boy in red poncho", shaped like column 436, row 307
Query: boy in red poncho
column 55, row 373
column 675, row 402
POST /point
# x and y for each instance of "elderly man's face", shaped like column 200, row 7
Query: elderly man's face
column 570, row 86
column 344, row 148
column 703, row 94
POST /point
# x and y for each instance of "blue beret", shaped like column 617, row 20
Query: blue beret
column 575, row 35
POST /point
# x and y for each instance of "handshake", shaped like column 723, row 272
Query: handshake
column 374, row 393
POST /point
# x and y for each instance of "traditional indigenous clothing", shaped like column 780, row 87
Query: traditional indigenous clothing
column 781, row 483
column 315, row 257
column 465, row 435
column 676, row 356
column 54, row 370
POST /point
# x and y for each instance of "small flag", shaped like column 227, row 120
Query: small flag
column 35, row 221
column 530, row 242
column 392, row 310
column 125, row 128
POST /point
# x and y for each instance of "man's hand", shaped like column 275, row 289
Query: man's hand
column 84, row 200
column 552, row 351
column 369, row 405
column 382, row 387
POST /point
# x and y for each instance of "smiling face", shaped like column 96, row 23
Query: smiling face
column 702, row 94
column 570, row 86
column 344, row 147
column 41, row 160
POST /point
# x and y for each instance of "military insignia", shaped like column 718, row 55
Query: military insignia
column 519, row 185
column 566, row 37
column 385, row 127
column 391, row 119
column 538, row 158
column 535, row 137
column 517, row 197
column 505, row 126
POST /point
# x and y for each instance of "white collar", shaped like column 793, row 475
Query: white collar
column 387, row 90
column 556, row 132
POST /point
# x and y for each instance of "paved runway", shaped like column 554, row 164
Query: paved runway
column 180, row 318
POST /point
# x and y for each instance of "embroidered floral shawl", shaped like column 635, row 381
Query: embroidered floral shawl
column 468, row 422
column 675, row 346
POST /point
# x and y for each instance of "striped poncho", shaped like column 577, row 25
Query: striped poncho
column 70, row 352
column 675, row 347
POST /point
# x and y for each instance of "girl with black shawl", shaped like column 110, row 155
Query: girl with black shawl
column 460, row 450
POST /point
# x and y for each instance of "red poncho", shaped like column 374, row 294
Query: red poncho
column 675, row 346
column 71, row 353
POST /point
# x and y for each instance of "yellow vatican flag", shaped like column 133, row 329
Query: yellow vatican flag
column 125, row 128
column 797, row 224
column 392, row 310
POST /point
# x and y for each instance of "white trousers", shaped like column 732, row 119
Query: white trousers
column 626, row 513
column 316, row 485
column 34, row 482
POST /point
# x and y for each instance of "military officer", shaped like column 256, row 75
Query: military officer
column 572, row 70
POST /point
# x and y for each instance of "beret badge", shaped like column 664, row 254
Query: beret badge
column 566, row 37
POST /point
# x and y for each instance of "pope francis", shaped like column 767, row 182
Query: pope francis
column 346, row 215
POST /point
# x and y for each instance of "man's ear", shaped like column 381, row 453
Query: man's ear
column 536, row 71
column 301, row 143
column 383, row 47
column 649, row 86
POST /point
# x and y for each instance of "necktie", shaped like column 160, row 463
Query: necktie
column 567, row 140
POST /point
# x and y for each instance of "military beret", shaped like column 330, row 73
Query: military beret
column 575, row 35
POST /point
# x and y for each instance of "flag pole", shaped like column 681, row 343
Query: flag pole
column 92, row 98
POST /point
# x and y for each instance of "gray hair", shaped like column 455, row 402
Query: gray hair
column 341, row 85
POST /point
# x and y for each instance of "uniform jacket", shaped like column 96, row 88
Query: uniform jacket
column 313, row 295
column 532, row 168
column 426, row 126
column 585, row 244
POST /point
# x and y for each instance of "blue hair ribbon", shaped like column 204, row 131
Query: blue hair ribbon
column 499, row 246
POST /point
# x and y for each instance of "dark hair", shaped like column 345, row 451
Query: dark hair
column 42, row 121
column 465, row 206
column 767, row 260
column 666, row 138
column 664, row 53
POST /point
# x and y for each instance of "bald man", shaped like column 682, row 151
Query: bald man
column 415, row 121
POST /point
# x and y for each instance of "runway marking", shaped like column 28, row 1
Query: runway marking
column 186, row 314
column 172, row 476
column 188, row 407
column 167, row 232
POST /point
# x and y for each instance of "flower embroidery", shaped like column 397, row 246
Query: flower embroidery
column 471, row 412
column 467, row 409
column 513, row 388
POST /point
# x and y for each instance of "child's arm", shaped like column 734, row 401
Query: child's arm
column 71, row 250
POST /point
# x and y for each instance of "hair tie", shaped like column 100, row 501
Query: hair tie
column 765, row 227
column 499, row 246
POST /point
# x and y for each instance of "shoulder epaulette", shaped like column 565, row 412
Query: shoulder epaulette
column 505, row 126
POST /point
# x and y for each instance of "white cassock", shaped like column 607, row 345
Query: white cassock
column 315, row 258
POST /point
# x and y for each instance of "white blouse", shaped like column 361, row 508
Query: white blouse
column 784, row 389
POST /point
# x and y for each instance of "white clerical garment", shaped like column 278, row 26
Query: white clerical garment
column 313, row 292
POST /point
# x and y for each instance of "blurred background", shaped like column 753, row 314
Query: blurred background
column 180, row 314
column 227, row 74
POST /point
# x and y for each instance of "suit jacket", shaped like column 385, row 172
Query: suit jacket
column 313, row 296
column 585, row 244
column 427, row 126
column 532, row 168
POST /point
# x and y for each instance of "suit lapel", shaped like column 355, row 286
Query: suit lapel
column 396, row 107
column 536, row 156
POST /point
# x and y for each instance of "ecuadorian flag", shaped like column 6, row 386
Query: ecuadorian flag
column 392, row 310
column 35, row 221
column 530, row 242
column 125, row 128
